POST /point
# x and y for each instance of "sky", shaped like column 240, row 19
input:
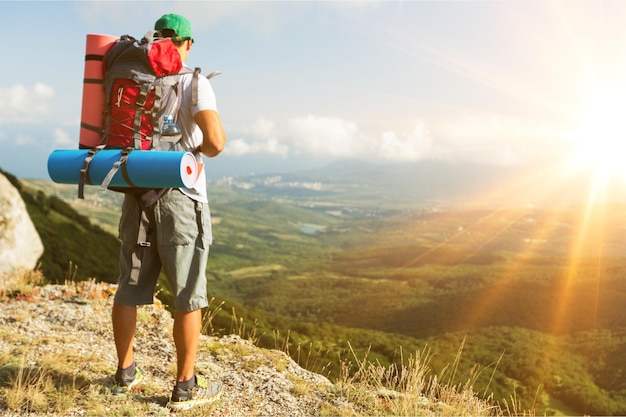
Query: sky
column 307, row 83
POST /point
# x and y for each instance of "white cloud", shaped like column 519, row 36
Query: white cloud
column 61, row 137
column 262, row 127
column 22, row 104
column 260, row 138
column 495, row 138
column 478, row 138
column 24, row 140
column 239, row 147
column 418, row 144
column 329, row 136
column 323, row 136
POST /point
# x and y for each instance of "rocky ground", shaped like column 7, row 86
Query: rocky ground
column 66, row 330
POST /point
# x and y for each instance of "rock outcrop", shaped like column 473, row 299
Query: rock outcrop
column 20, row 244
column 58, row 340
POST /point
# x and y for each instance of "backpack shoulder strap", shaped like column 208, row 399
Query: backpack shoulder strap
column 194, row 82
column 194, row 86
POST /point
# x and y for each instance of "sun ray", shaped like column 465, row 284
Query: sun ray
column 586, row 243
column 535, row 188
column 590, row 143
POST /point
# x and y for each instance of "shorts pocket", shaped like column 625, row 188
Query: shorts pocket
column 177, row 223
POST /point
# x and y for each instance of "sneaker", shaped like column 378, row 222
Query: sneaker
column 202, row 393
column 124, row 383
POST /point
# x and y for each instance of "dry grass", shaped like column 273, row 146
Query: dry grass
column 411, row 389
column 19, row 282
column 38, row 390
column 53, row 385
column 396, row 390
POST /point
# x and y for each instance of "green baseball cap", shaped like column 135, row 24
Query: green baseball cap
column 176, row 23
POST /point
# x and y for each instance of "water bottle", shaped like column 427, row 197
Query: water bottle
column 170, row 131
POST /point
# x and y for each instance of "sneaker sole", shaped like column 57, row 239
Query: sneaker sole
column 118, row 390
column 186, row 405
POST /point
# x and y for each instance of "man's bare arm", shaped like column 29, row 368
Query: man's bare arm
column 213, row 135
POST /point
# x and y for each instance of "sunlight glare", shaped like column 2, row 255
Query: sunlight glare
column 600, row 137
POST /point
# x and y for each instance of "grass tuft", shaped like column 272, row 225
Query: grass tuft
column 37, row 390
column 20, row 282
column 410, row 388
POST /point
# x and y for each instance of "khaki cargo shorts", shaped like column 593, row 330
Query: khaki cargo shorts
column 176, row 239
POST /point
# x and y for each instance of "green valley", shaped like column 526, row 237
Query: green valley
column 532, row 298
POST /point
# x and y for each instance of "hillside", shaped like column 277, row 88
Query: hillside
column 535, row 296
column 74, row 247
column 61, row 335
column 58, row 358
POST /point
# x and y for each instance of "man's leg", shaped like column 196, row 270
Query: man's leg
column 187, row 327
column 190, row 390
column 183, row 229
column 124, row 325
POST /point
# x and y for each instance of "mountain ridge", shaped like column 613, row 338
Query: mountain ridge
column 58, row 355
column 69, row 326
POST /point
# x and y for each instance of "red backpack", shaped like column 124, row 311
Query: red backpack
column 141, row 88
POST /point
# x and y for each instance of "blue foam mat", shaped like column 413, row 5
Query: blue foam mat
column 149, row 169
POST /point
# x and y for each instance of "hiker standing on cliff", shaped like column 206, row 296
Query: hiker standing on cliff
column 178, row 241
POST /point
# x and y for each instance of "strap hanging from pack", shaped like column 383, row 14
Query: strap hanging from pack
column 156, row 109
column 194, row 86
column 139, row 111
column 152, row 196
column 142, row 244
column 199, row 208
column 213, row 74
column 145, row 200
column 84, row 172
column 115, row 168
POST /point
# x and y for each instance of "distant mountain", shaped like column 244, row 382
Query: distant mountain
column 344, row 188
column 371, row 184
column 411, row 185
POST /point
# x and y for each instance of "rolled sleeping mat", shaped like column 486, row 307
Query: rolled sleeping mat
column 93, row 93
column 145, row 169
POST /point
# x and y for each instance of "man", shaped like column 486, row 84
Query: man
column 179, row 238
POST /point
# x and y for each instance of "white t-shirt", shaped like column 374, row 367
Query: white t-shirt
column 192, row 135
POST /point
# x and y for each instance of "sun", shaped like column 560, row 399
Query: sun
column 600, row 133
